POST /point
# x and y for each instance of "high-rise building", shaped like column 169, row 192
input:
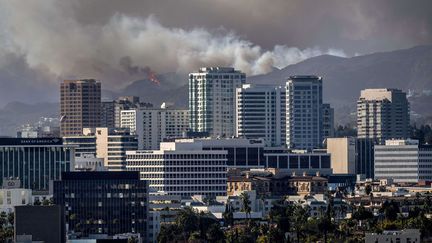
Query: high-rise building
column 304, row 122
column 403, row 161
column 107, row 203
column 383, row 114
column 35, row 161
column 108, row 114
column 127, row 103
column 80, row 102
column 212, row 100
column 182, row 168
column 153, row 126
column 328, row 121
column 260, row 113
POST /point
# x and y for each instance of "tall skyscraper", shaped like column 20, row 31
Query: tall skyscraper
column 260, row 113
column 211, row 100
column 304, row 112
column 382, row 114
column 80, row 105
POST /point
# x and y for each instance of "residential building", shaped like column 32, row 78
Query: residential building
column 12, row 195
column 35, row 161
column 108, row 114
column 328, row 130
column 80, row 105
column 212, row 100
column 403, row 161
column 153, row 126
column 260, row 113
column 106, row 203
column 402, row 236
column 279, row 184
column 383, row 114
column 127, row 103
column 40, row 224
column 304, row 119
column 111, row 145
column 181, row 168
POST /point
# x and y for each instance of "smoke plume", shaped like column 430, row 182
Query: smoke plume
column 48, row 37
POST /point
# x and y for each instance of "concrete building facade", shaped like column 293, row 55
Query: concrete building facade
column 80, row 106
column 403, row 161
column 383, row 114
column 181, row 168
column 153, row 126
column 343, row 154
column 260, row 113
column 212, row 100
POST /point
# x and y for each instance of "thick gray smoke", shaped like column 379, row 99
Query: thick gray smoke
column 49, row 37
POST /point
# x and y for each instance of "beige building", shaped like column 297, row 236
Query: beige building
column 111, row 146
column 343, row 155
column 80, row 106
column 382, row 114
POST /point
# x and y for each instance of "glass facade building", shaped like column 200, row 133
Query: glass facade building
column 35, row 161
column 103, row 202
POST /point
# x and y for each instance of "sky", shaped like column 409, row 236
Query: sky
column 117, row 42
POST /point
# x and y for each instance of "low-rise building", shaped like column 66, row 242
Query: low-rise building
column 403, row 161
column 402, row 236
column 12, row 195
column 42, row 223
column 103, row 203
column 181, row 168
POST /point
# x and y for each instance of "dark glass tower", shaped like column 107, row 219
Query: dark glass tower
column 103, row 202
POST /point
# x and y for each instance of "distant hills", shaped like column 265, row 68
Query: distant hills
column 407, row 69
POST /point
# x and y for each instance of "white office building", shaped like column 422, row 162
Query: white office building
column 260, row 113
column 153, row 126
column 181, row 168
column 403, row 161
column 212, row 100
column 304, row 112
column 12, row 195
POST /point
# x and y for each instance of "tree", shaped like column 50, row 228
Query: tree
column 368, row 189
column 228, row 215
column 215, row 234
column 187, row 221
column 390, row 210
column 244, row 197
column 299, row 218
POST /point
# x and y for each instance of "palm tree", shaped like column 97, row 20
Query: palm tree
column 187, row 221
column 299, row 218
column 246, row 204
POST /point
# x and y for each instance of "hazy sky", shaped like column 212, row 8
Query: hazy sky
column 43, row 42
